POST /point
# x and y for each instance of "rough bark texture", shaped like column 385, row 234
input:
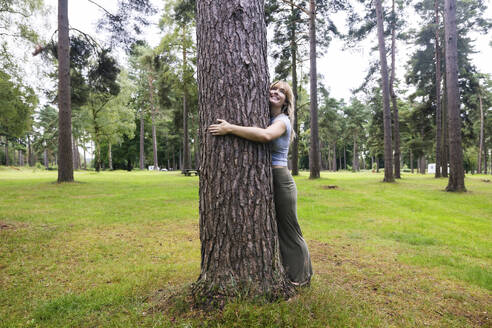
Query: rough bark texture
column 314, row 153
column 438, row 93
column 388, row 151
column 142, row 131
column 238, row 231
column 394, row 102
column 65, row 162
column 295, row 142
column 456, row 175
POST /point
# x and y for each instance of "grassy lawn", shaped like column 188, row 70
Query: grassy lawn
column 112, row 249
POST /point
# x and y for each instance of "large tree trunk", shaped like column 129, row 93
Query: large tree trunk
column 65, row 162
column 394, row 102
column 186, row 139
column 293, row 49
column 388, row 151
column 480, row 147
column 238, row 231
column 411, row 161
column 314, row 153
column 456, row 175
column 438, row 93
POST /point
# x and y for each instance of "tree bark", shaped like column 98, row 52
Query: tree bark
column 388, row 151
column 238, row 231
column 355, row 156
column 45, row 159
column 411, row 161
column 314, row 152
column 142, row 131
column 438, row 93
column 334, row 157
column 445, row 135
column 186, row 141
column 65, row 162
column 153, row 112
column 394, row 102
column 110, row 157
column 456, row 180
column 480, row 147
column 7, row 152
column 293, row 49
column 30, row 153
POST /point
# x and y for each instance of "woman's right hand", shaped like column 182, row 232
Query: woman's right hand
column 220, row 129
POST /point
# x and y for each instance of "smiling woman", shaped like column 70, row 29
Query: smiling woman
column 293, row 249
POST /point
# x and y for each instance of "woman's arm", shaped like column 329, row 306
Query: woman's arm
column 248, row 132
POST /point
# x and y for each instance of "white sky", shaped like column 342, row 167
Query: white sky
column 343, row 70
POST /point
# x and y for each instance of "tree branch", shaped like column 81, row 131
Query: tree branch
column 101, row 7
column 297, row 6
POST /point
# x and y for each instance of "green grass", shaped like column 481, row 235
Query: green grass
column 107, row 250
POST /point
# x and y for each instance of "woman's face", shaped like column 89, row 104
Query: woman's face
column 277, row 96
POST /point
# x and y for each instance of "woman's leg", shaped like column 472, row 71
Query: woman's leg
column 293, row 248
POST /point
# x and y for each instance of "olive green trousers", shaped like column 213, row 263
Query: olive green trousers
column 293, row 248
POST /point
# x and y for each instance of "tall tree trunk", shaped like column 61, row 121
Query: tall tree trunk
column 98, row 155
column 340, row 162
column 314, row 152
column 445, row 135
column 456, row 180
column 65, row 162
column 6, row 151
column 411, row 161
column 153, row 112
column 76, row 157
column 186, row 139
column 394, row 102
column 45, row 159
column 85, row 159
column 334, row 157
column 293, row 49
column 30, row 153
column 142, row 131
column 480, row 148
column 355, row 156
column 344, row 157
column 110, row 157
column 238, row 230
column 438, row 93
column 388, row 151
column 486, row 157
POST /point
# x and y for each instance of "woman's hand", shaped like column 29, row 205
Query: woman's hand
column 220, row 129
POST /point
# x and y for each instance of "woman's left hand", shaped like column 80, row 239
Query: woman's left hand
column 220, row 129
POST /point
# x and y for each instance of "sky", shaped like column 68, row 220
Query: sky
column 342, row 69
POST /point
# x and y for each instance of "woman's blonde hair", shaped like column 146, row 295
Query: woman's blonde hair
column 288, row 106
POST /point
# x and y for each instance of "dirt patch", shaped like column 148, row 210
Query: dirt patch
column 11, row 225
column 400, row 292
column 329, row 187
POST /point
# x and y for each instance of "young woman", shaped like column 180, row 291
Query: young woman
column 293, row 249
